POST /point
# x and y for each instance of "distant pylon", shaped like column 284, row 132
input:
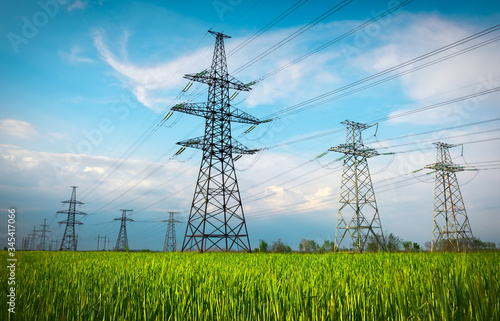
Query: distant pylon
column 98, row 239
column 69, row 242
column 26, row 243
column 358, row 212
column 32, row 239
column 43, row 236
column 170, row 244
column 122, row 240
column 451, row 228
column 216, row 221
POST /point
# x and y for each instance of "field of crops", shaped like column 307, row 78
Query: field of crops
column 232, row 286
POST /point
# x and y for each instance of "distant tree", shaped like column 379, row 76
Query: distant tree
column 393, row 243
column 428, row 245
column 280, row 247
column 416, row 247
column 304, row 245
column 372, row 245
column 312, row 246
column 263, row 246
column 327, row 246
column 256, row 250
column 407, row 245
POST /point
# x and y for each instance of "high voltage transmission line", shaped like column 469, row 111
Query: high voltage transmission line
column 451, row 228
column 358, row 214
column 486, row 92
column 216, row 220
column 69, row 240
column 421, row 57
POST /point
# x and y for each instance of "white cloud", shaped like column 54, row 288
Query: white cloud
column 73, row 56
column 150, row 84
column 462, row 75
column 18, row 129
column 77, row 5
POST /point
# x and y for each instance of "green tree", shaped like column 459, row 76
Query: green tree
column 280, row 247
column 393, row 243
column 263, row 246
column 407, row 245
column 327, row 246
column 312, row 246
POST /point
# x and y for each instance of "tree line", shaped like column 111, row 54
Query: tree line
column 392, row 243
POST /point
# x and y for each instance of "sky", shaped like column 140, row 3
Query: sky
column 85, row 85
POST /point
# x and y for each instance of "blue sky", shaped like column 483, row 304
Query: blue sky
column 83, row 80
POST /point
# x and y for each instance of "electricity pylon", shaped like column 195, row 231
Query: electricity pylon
column 170, row 244
column 216, row 221
column 451, row 228
column 43, row 236
column 122, row 240
column 69, row 242
column 358, row 213
column 32, row 238
column 26, row 243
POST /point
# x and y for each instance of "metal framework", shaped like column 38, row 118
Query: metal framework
column 216, row 221
column 170, row 244
column 122, row 240
column 358, row 213
column 451, row 228
column 69, row 242
column 43, row 236
column 26, row 243
column 32, row 239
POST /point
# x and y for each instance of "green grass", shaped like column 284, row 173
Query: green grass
column 225, row 286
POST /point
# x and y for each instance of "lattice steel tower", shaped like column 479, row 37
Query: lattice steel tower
column 43, row 236
column 122, row 240
column 358, row 213
column 216, row 221
column 69, row 242
column 170, row 244
column 451, row 228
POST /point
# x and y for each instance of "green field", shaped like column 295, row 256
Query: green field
column 234, row 286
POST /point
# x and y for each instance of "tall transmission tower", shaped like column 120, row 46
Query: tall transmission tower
column 69, row 242
column 451, row 228
column 43, row 236
column 170, row 244
column 358, row 213
column 122, row 240
column 216, row 221
column 98, row 239
column 26, row 243
column 32, row 238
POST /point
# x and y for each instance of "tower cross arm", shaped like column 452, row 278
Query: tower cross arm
column 123, row 219
column 355, row 150
column 445, row 167
column 64, row 222
column 197, row 109
column 71, row 212
column 236, row 147
column 239, row 148
column 206, row 78
column 72, row 201
column 242, row 117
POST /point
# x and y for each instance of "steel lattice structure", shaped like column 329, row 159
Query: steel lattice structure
column 170, row 244
column 216, row 221
column 451, row 228
column 122, row 240
column 43, row 236
column 69, row 242
column 358, row 213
